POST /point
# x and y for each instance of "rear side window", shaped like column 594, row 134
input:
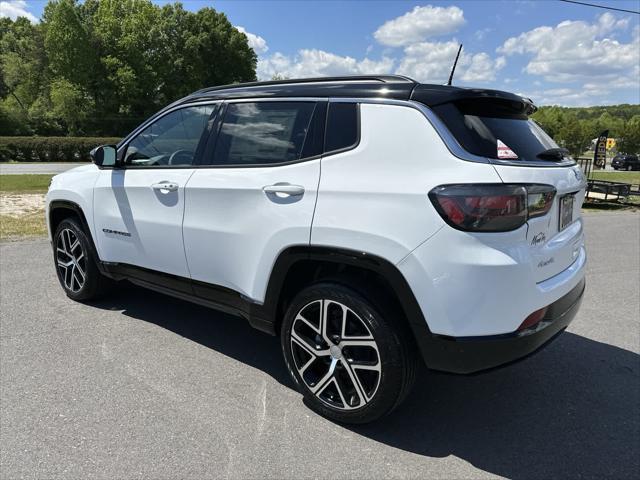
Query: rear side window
column 342, row 126
column 256, row 133
column 494, row 133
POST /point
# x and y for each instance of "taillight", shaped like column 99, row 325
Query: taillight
column 539, row 199
column 491, row 207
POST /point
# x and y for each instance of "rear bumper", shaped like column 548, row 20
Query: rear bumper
column 473, row 354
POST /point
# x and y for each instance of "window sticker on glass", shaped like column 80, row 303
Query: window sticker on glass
column 504, row 151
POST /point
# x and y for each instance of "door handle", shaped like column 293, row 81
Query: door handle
column 168, row 186
column 284, row 188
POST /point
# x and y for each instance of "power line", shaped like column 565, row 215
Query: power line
column 600, row 6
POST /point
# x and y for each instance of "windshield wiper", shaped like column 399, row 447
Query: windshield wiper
column 554, row 154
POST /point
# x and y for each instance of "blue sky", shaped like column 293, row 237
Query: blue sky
column 553, row 52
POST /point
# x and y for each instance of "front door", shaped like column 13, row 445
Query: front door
column 138, row 209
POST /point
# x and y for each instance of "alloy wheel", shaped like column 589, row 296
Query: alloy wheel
column 335, row 354
column 71, row 260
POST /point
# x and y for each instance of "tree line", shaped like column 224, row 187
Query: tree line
column 575, row 128
column 101, row 67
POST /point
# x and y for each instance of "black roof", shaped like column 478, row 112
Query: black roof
column 396, row 87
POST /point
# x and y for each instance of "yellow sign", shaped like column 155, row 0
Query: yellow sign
column 611, row 142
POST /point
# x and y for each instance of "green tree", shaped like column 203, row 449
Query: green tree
column 67, row 44
column 71, row 104
column 629, row 141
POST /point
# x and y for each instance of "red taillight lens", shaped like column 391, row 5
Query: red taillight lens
column 481, row 208
column 491, row 208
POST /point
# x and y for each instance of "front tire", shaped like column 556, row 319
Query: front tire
column 351, row 364
column 75, row 265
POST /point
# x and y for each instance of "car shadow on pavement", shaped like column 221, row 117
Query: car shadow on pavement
column 571, row 411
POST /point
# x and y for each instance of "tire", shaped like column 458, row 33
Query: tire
column 75, row 263
column 629, row 168
column 358, row 372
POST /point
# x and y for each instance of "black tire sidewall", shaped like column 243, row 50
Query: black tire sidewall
column 389, row 347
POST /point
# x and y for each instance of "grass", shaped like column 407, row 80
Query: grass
column 625, row 177
column 29, row 225
column 24, row 183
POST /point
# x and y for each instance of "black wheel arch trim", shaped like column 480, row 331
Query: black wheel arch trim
column 79, row 213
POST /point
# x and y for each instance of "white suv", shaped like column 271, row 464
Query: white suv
column 368, row 221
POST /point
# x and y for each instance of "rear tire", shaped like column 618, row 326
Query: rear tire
column 351, row 363
column 629, row 168
column 76, row 265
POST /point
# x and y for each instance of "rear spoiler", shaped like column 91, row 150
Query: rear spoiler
column 434, row 95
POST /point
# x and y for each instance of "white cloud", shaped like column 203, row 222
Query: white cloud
column 256, row 42
column 584, row 96
column 314, row 63
column 431, row 62
column 577, row 50
column 419, row 24
column 14, row 9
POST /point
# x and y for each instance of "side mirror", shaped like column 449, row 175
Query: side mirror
column 105, row 156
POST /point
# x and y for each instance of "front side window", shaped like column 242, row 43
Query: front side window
column 262, row 133
column 172, row 140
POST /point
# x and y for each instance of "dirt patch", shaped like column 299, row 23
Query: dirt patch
column 19, row 204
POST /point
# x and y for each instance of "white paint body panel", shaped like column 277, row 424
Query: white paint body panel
column 125, row 202
column 374, row 198
column 234, row 231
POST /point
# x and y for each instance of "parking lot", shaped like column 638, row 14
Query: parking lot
column 142, row 385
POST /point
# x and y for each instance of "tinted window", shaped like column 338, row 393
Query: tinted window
column 172, row 139
column 479, row 133
column 263, row 132
column 342, row 126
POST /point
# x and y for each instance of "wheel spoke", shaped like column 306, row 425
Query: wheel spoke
column 308, row 348
column 68, row 278
column 358, row 343
column 65, row 264
column 81, row 272
column 321, row 383
column 73, row 246
column 356, row 382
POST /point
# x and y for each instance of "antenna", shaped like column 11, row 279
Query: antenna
column 454, row 65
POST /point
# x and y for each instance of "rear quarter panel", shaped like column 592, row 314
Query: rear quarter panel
column 374, row 198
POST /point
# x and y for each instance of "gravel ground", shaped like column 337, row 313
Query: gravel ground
column 142, row 385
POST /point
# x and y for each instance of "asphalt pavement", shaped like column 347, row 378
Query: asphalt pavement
column 44, row 168
column 146, row 386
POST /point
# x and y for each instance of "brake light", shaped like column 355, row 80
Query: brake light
column 491, row 207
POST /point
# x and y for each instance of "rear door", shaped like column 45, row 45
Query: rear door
column 255, row 193
column 522, row 152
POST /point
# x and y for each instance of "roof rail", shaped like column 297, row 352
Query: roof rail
column 346, row 78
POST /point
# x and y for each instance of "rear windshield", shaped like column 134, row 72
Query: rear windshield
column 508, row 137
